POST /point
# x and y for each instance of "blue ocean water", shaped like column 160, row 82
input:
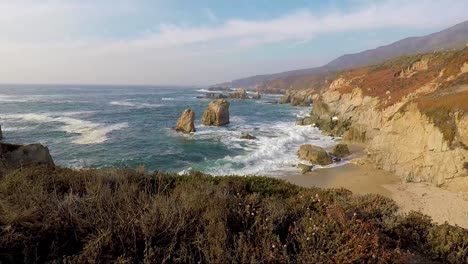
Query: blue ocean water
column 125, row 126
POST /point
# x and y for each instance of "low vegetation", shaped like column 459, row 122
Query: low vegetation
column 441, row 109
column 127, row 216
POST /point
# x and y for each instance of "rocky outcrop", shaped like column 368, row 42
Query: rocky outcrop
column 286, row 98
column 217, row 113
column 239, row 94
column 314, row 154
column 305, row 168
column 185, row 123
column 15, row 156
column 340, row 151
column 414, row 122
column 212, row 96
column 297, row 98
column 411, row 146
column 247, row 136
column 256, row 95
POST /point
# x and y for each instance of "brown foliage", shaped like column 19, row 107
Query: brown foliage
column 125, row 216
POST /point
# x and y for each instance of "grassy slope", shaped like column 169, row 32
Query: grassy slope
column 127, row 216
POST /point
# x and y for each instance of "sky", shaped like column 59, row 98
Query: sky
column 202, row 42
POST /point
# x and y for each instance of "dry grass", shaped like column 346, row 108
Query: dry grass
column 441, row 109
column 125, row 216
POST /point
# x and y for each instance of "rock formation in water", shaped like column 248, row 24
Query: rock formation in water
column 212, row 96
column 314, row 154
column 239, row 94
column 15, row 156
column 1, row 133
column 247, row 136
column 217, row 113
column 185, row 123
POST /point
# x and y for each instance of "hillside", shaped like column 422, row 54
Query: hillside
column 412, row 112
column 125, row 216
column 453, row 37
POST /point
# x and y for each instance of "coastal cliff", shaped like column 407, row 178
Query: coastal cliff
column 412, row 112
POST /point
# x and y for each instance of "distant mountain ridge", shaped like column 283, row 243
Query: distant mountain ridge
column 453, row 37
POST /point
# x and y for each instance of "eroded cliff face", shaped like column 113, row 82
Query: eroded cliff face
column 411, row 146
column 419, row 140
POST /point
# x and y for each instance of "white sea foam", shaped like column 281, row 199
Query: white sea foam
column 168, row 99
column 134, row 104
column 273, row 151
column 237, row 119
column 89, row 132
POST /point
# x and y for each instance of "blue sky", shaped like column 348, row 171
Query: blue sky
column 182, row 42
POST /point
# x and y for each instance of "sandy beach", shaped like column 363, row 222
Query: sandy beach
column 447, row 203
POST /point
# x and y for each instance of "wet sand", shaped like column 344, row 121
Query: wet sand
column 362, row 177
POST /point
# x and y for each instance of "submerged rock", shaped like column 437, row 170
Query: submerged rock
column 340, row 151
column 247, row 136
column 305, row 168
column 314, row 154
column 256, row 95
column 239, row 94
column 217, row 113
column 15, row 156
column 185, row 123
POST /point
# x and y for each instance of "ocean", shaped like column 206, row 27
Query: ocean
column 131, row 126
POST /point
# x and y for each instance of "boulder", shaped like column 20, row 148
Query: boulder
column 185, row 123
column 239, row 94
column 285, row 99
column 14, row 156
column 340, row 151
column 305, row 168
column 247, row 136
column 256, row 95
column 314, row 154
column 354, row 134
column 217, row 113
column 299, row 101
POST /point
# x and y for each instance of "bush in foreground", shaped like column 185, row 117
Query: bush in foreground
column 124, row 216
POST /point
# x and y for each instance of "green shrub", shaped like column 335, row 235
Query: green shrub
column 125, row 216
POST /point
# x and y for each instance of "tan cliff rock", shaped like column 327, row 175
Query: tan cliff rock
column 217, row 113
column 314, row 154
column 412, row 147
column 239, row 94
column 185, row 123
column 414, row 119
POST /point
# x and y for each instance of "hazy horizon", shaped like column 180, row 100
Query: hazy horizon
column 185, row 43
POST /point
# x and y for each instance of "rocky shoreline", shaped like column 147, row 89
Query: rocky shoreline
column 402, row 136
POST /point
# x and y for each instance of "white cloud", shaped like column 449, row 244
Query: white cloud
column 65, row 41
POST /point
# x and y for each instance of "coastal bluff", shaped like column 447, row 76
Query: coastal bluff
column 411, row 112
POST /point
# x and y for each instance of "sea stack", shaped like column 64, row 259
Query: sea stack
column 185, row 123
column 239, row 94
column 217, row 113
column 1, row 134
